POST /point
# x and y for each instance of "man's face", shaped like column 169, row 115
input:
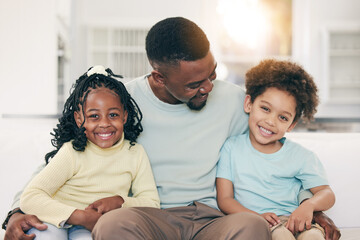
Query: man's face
column 190, row 82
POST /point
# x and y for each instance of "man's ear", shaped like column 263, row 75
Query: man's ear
column 291, row 126
column 158, row 77
column 247, row 104
column 78, row 119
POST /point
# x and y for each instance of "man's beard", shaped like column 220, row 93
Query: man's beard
column 194, row 107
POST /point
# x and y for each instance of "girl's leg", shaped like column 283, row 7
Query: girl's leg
column 52, row 232
column 79, row 233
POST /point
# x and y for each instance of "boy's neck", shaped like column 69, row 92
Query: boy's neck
column 269, row 148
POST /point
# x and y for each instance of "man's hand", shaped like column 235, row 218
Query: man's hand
column 20, row 223
column 271, row 218
column 105, row 205
column 331, row 231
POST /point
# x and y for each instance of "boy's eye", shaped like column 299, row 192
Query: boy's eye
column 265, row 109
column 283, row 118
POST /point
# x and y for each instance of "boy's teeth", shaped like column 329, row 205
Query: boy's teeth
column 265, row 130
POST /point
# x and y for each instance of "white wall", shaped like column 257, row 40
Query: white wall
column 136, row 13
column 310, row 18
column 28, row 57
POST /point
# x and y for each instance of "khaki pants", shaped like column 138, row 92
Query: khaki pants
column 280, row 232
column 197, row 221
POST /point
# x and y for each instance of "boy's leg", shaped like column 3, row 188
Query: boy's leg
column 79, row 233
column 315, row 233
column 282, row 233
column 52, row 232
column 210, row 223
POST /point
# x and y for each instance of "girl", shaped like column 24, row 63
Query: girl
column 96, row 166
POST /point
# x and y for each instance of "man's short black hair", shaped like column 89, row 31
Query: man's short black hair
column 176, row 39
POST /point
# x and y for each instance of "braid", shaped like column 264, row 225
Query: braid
column 67, row 129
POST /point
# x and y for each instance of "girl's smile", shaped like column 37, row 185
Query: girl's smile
column 104, row 117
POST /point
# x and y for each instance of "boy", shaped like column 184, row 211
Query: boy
column 261, row 171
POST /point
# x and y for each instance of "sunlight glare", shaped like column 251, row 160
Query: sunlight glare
column 244, row 21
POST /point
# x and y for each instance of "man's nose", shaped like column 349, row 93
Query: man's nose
column 206, row 86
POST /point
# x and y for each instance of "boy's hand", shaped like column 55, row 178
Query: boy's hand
column 301, row 218
column 271, row 218
column 105, row 205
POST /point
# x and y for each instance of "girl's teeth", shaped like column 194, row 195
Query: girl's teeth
column 104, row 135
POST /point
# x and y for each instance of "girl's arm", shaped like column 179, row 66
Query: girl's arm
column 301, row 218
column 37, row 196
column 143, row 187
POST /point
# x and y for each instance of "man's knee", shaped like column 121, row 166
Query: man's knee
column 115, row 223
column 250, row 225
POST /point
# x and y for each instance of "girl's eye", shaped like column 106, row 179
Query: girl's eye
column 114, row 115
column 93, row 116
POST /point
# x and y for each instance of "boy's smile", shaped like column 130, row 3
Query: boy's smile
column 104, row 117
column 271, row 115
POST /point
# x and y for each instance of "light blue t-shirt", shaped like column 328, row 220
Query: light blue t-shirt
column 269, row 182
column 184, row 145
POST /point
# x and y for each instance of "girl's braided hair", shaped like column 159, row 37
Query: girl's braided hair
column 67, row 130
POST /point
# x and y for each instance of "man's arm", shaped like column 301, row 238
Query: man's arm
column 17, row 223
column 331, row 231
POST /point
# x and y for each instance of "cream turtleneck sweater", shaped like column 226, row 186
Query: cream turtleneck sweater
column 73, row 180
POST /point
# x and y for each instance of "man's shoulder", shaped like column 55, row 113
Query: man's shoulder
column 227, row 89
column 133, row 84
column 237, row 140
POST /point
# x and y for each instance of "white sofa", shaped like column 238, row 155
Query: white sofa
column 337, row 151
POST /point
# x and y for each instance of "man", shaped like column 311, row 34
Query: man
column 187, row 117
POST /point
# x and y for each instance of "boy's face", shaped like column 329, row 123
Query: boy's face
column 271, row 115
column 104, row 117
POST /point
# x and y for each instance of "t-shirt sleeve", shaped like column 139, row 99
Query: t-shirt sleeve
column 312, row 173
column 225, row 162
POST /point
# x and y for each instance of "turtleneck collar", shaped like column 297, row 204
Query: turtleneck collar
column 105, row 151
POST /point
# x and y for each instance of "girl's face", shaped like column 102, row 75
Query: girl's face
column 104, row 117
column 271, row 115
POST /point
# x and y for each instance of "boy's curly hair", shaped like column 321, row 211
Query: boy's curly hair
column 67, row 130
column 286, row 76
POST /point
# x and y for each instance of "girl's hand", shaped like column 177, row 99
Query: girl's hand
column 86, row 218
column 105, row 205
column 271, row 218
column 301, row 218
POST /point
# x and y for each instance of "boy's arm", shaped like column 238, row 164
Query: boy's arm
column 301, row 218
column 228, row 204
column 225, row 198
